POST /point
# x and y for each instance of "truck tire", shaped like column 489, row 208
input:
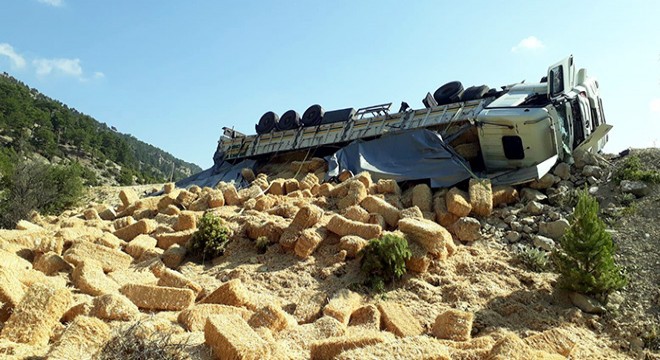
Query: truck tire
column 267, row 123
column 313, row 116
column 448, row 93
column 289, row 120
column 474, row 93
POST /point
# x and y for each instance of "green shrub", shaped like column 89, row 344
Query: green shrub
column 262, row 244
column 211, row 237
column 384, row 260
column 631, row 169
column 585, row 260
column 534, row 259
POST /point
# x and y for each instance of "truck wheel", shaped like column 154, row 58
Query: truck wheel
column 289, row 120
column 313, row 116
column 448, row 93
column 267, row 123
column 474, row 93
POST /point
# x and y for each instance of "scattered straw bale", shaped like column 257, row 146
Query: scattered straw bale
column 114, row 307
column 128, row 196
column 309, row 240
column 554, row 341
column 216, row 200
column 185, row 221
column 81, row 339
column 109, row 259
column 277, row 187
column 326, row 189
column 505, row 195
column 80, row 305
column 398, row 320
column 248, row 174
column 422, row 197
column 407, row 348
column 123, row 222
column 352, row 244
column 311, row 165
column 168, row 187
column 90, row 279
column 194, row 318
column 50, row 263
column 186, row 198
column 388, row 186
column 512, row 347
column 481, row 197
column 328, row 349
column 356, row 213
column 412, row 212
column 232, row 293
column 355, row 194
column 291, row 185
column 306, row 217
column 144, row 226
column 166, row 240
column 453, row 325
column 420, row 260
column 377, row 219
column 173, row 278
column 466, row 229
column 151, row 297
column 34, row 318
column 431, row 236
column 91, row 214
column 106, row 212
column 342, row 305
column 342, row 227
column 365, row 178
column 309, row 181
column 377, row 205
column 367, row 316
column 271, row 228
column 133, row 275
column 139, row 245
column 230, row 193
column 457, row 202
column 442, row 215
column 173, row 256
column 231, row 337
column 166, row 201
column 27, row 226
column 11, row 292
column 261, row 181
column 264, row 203
column 271, row 317
column 289, row 238
column 111, row 241
column 297, row 340
column 345, row 175
column 468, row 151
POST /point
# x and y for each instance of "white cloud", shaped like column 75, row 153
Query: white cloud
column 55, row 3
column 17, row 60
column 654, row 106
column 98, row 75
column 528, row 43
column 68, row 67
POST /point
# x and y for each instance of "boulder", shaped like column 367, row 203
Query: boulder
column 534, row 208
column 563, row 170
column 637, row 188
column 467, row 229
column 543, row 242
column 554, row 229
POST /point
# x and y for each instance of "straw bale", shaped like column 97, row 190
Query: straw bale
column 481, row 197
column 111, row 241
column 328, row 349
column 277, row 187
column 289, row 238
column 271, row 227
column 11, row 292
column 315, row 189
column 407, row 348
column 27, row 226
column 374, row 204
column 76, row 234
column 171, row 210
column 12, row 261
column 453, row 325
column 352, row 244
column 367, row 316
column 186, row 198
column 166, row 240
column 114, row 307
column 194, row 318
column 89, row 278
column 80, row 305
column 398, row 320
column 343, row 226
column 365, row 178
column 144, row 226
column 430, row 235
column 554, row 341
column 215, row 200
column 81, row 339
column 171, row 278
column 411, row 212
column 264, row 203
column 291, row 185
column 356, row 193
column 388, row 186
column 309, row 240
column 309, row 181
column 442, row 215
column 166, row 201
column 106, row 212
column 306, row 217
column 185, row 221
column 504, row 195
column 232, row 293
column 342, row 305
column 420, row 261
column 109, row 259
column 123, row 222
column 173, row 256
column 295, row 194
column 345, row 175
column 91, row 214
column 133, row 275
column 422, row 197
column 356, row 213
column 128, row 196
column 297, row 340
column 377, row 219
column 139, row 245
column 326, row 189
column 34, row 318
column 50, row 263
column 248, row 174
column 230, row 337
column 270, row 316
column 168, row 187
column 466, row 229
column 457, row 202
column 230, row 194
column 152, row 297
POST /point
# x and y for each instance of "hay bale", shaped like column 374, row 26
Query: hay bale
column 166, row 240
column 185, row 221
column 328, row 349
column 123, row 222
column 11, row 293
column 271, row 317
column 186, row 198
column 215, row 200
column 469, row 151
column 106, row 212
column 377, row 219
column 453, row 325
column 342, row 227
column 376, row 205
column 365, row 178
column 51, row 263
column 248, row 174
column 481, row 197
column 505, row 195
column 291, row 185
column 326, row 189
column 352, row 245
column 510, row 346
column 173, row 256
column 109, row 259
column 466, row 229
column 114, row 307
column 264, row 203
column 367, row 316
column 152, row 297
column 408, row 348
column 194, row 318
column 81, row 339
column 457, row 202
column 128, row 233
column 309, row 240
column 231, row 293
column 171, row 210
column 277, row 187
column 80, row 305
column 139, row 245
column 111, row 241
column 342, row 305
column 230, row 194
column 420, row 260
column 555, row 341
column 34, row 318
column 306, row 217
column 428, row 234
column 89, row 278
column 412, row 212
column 230, row 337
column 398, row 320
column 91, row 214
column 356, row 213
column 442, row 215
column 355, row 194
column 422, row 197
column 308, row 182
column 171, row 278
column 128, row 197
column 168, row 187
column 388, row 186
column 271, row 228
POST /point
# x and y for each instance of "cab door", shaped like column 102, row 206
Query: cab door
column 561, row 78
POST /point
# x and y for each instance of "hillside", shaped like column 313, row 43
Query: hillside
column 36, row 125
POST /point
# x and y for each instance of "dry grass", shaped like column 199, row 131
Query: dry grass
column 134, row 344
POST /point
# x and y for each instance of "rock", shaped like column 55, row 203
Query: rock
column 512, row 236
column 591, row 170
column 583, row 158
column 534, row 208
column 592, row 180
column 516, row 226
column 543, row 242
column 532, row 195
column 543, row 183
column 554, row 229
column 593, row 190
column 467, row 229
column 586, row 303
column 637, row 188
column 563, row 170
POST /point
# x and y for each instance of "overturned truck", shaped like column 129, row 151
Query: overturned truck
column 512, row 136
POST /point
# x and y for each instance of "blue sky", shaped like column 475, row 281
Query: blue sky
column 173, row 73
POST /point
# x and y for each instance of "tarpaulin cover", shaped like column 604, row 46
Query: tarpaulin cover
column 220, row 171
column 410, row 155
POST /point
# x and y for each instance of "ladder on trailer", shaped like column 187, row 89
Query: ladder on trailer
column 239, row 147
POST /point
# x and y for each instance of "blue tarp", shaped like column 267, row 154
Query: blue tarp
column 220, row 171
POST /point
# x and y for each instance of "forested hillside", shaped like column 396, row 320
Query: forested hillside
column 31, row 122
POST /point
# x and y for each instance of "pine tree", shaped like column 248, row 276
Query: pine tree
column 585, row 260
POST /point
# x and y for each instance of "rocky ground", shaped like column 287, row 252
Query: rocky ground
column 80, row 284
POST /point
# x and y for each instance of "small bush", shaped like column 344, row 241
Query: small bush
column 384, row 260
column 631, row 169
column 262, row 244
column 211, row 237
column 585, row 260
column 134, row 344
column 534, row 259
